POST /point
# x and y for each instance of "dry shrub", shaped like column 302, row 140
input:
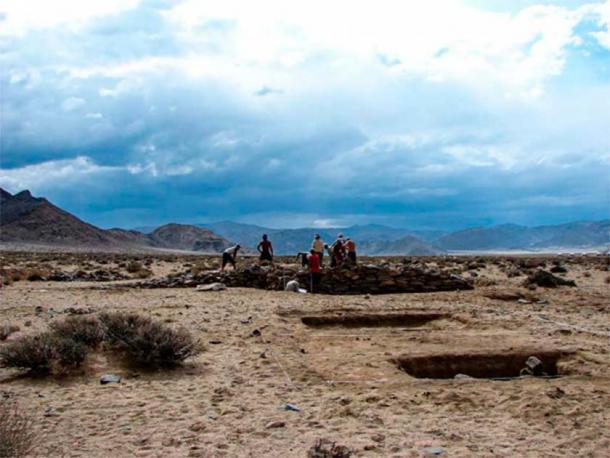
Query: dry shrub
column 35, row 353
column 133, row 267
column 148, row 342
column 142, row 273
column 68, row 353
column 17, row 436
column 7, row 329
column 84, row 330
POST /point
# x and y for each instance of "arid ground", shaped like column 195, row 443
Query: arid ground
column 343, row 374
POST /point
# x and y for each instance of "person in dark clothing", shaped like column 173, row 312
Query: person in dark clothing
column 337, row 250
column 229, row 256
column 315, row 271
column 265, row 249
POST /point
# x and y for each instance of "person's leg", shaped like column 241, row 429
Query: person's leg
column 321, row 258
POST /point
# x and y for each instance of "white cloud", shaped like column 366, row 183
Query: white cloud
column 53, row 174
column 72, row 103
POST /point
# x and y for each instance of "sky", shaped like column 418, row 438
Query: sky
column 425, row 115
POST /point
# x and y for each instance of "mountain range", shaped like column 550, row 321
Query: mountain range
column 36, row 222
column 31, row 221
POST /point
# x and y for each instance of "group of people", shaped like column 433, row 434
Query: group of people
column 341, row 251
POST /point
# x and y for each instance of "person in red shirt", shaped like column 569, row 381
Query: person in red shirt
column 350, row 246
column 315, row 271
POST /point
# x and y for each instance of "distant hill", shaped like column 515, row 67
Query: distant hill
column 406, row 246
column 584, row 234
column 290, row 241
column 25, row 219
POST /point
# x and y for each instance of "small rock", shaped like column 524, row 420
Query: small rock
column 50, row 412
column 378, row 437
column 212, row 287
column 275, row 424
column 370, row 447
column 215, row 341
column 28, row 323
column 255, row 333
column 434, row 451
column 110, row 378
column 197, row 427
column 523, row 301
column 462, row 377
column 292, row 286
column 291, row 407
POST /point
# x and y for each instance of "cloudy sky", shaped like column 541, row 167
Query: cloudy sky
column 430, row 114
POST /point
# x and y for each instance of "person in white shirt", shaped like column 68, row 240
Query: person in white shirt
column 318, row 246
column 229, row 256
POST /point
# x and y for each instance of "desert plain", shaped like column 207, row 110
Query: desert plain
column 397, row 375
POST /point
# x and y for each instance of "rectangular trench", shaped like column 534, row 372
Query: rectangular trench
column 355, row 320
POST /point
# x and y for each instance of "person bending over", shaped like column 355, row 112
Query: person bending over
column 229, row 256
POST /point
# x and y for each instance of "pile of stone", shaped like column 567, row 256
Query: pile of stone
column 81, row 275
column 361, row 279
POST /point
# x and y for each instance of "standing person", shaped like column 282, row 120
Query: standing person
column 338, row 251
column 315, row 272
column 350, row 246
column 318, row 246
column 229, row 256
column 265, row 249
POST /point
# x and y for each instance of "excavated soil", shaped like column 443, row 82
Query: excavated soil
column 491, row 364
column 355, row 385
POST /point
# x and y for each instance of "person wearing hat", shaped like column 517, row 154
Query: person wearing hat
column 318, row 246
column 229, row 256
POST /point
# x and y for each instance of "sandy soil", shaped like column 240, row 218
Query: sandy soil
column 343, row 379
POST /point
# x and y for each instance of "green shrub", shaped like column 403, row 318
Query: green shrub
column 148, row 342
column 84, row 330
column 17, row 437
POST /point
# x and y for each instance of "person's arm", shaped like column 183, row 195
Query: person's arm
column 271, row 248
column 258, row 247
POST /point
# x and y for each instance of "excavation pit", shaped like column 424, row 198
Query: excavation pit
column 496, row 365
column 361, row 320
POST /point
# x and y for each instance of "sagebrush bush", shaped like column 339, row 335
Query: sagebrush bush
column 35, row 353
column 7, row 329
column 17, row 436
column 134, row 266
column 68, row 352
column 148, row 342
column 85, row 330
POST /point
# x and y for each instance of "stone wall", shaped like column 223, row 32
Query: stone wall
column 362, row 279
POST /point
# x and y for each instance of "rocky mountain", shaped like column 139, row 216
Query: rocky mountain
column 406, row 246
column 25, row 219
column 370, row 237
column 28, row 219
column 583, row 234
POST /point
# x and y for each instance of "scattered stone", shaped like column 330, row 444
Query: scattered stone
column 216, row 286
column 462, row 377
column 378, row 437
column 523, row 301
column 324, row 448
column 256, row 333
column 292, row 286
column 292, row 407
column 557, row 393
column 275, row 424
column 533, row 366
column 547, row 280
column 51, row 412
column 197, row 427
column 434, row 451
column 215, row 342
column 110, row 378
